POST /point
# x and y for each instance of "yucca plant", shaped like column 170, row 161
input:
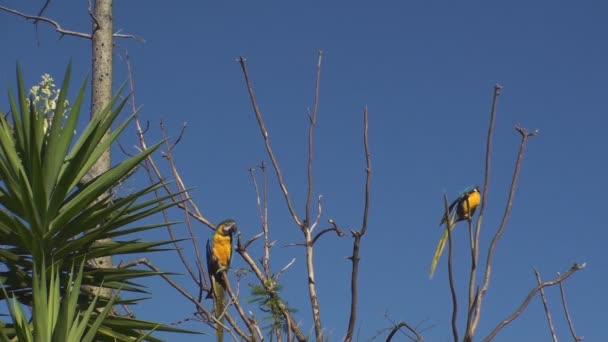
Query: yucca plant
column 57, row 317
column 50, row 219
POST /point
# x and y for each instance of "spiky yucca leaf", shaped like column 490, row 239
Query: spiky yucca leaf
column 57, row 317
column 48, row 212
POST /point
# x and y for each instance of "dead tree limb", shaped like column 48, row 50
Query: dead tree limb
column 522, row 307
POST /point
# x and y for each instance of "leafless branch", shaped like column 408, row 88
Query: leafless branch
column 285, row 268
column 333, row 228
column 199, row 306
column 198, row 279
column 451, row 271
column 182, row 192
column 358, row 234
column 44, row 7
column 263, row 280
column 250, row 241
column 123, row 150
column 398, row 327
column 546, row 306
column 239, row 309
column 313, row 120
column 60, row 29
column 264, row 131
column 319, row 213
column 473, row 301
column 486, row 282
column 522, row 307
column 575, row 337
column 153, row 169
column 179, row 137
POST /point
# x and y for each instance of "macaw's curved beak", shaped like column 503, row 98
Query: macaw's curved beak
column 229, row 228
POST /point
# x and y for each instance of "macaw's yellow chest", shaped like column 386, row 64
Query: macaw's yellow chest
column 469, row 204
column 222, row 249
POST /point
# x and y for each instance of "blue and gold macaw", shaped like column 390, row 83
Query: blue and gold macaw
column 219, row 254
column 460, row 209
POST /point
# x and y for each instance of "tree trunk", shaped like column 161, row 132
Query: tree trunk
column 101, row 93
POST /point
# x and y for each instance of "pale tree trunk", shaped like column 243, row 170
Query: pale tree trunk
column 101, row 92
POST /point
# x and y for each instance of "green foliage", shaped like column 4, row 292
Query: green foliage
column 57, row 317
column 50, row 220
column 269, row 301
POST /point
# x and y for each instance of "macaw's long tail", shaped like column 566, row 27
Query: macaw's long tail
column 440, row 247
column 219, row 305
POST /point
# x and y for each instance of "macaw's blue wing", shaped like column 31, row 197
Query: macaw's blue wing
column 452, row 211
column 211, row 268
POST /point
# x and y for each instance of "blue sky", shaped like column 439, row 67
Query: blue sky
column 426, row 72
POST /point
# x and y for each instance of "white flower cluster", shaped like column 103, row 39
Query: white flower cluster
column 45, row 96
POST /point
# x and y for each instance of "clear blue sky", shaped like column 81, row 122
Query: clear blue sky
column 426, row 71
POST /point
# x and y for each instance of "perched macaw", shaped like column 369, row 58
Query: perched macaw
column 460, row 209
column 219, row 253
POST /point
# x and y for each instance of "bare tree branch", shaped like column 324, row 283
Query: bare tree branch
column 207, row 316
column 263, row 280
column 198, row 280
column 333, row 228
column 358, row 234
column 263, row 213
column 522, row 307
column 567, row 313
column 313, row 120
column 398, row 327
column 486, row 282
column 155, row 174
column 473, row 300
column 264, row 131
column 546, row 306
column 60, row 29
column 239, row 309
column 448, row 228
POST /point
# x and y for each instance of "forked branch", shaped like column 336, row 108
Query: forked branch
column 358, row 234
column 60, row 29
column 264, row 131
column 525, row 134
column 522, row 307
column 474, row 235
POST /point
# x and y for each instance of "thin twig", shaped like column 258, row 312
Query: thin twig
column 333, row 228
column 546, row 306
column 357, row 235
column 60, row 29
column 398, row 327
column 179, row 137
column 251, row 240
column 264, row 131
column 184, row 293
column 451, row 271
column 522, row 307
column 525, row 134
column 239, row 308
column 182, row 191
column 575, row 337
column 263, row 281
column 319, row 213
column 313, row 120
column 149, row 161
column 263, row 212
column 472, row 309
column 285, row 268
